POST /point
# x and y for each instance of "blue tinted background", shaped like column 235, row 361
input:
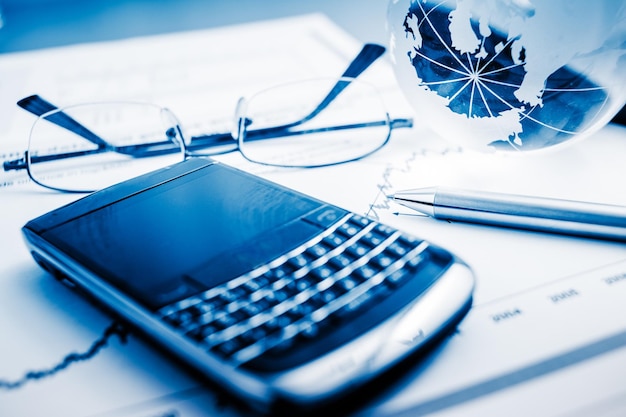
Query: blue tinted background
column 31, row 24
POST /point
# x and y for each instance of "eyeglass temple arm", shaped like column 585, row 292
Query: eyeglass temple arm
column 368, row 55
column 36, row 105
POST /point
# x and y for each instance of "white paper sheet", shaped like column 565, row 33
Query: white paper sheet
column 540, row 299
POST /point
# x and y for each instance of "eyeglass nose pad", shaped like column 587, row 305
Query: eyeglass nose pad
column 240, row 124
column 175, row 131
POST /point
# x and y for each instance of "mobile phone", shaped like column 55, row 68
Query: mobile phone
column 277, row 296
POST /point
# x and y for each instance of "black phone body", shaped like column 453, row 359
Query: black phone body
column 277, row 296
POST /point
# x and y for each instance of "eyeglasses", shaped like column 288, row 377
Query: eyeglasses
column 308, row 124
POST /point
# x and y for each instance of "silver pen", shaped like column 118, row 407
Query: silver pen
column 577, row 218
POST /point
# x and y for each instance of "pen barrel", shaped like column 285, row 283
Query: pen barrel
column 533, row 213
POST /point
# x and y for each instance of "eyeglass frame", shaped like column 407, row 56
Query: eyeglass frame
column 178, row 142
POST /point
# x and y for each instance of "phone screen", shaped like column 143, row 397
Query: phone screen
column 184, row 237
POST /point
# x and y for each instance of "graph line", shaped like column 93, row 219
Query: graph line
column 385, row 185
column 115, row 329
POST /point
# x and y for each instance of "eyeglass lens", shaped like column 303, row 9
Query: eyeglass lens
column 72, row 160
column 353, row 125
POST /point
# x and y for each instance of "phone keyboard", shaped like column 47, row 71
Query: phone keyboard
column 296, row 307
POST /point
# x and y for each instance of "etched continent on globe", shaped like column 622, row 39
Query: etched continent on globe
column 509, row 74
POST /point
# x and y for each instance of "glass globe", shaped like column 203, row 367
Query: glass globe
column 510, row 74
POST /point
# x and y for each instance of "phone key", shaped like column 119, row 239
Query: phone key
column 239, row 314
column 358, row 250
column 240, row 291
column 255, row 334
column 251, row 286
column 305, row 308
column 360, row 220
column 353, row 307
column 356, row 276
column 178, row 318
column 291, row 289
column 207, row 317
column 340, row 261
column 409, row 240
column 261, row 281
column 201, row 333
column 316, row 251
column 295, row 336
column 299, row 261
column 321, row 273
column 284, row 344
column 173, row 319
column 205, row 308
column 275, row 324
column 186, row 317
column 270, row 325
column 233, row 307
column 278, row 296
column 365, row 272
column 230, row 346
column 397, row 250
column 316, row 301
column 259, row 294
column 226, row 320
column 293, row 315
column 262, row 304
column 384, row 230
column 329, row 295
column 187, row 302
column 372, row 239
column 414, row 262
column 269, row 300
column 396, row 278
column 335, row 240
column 303, row 283
column 193, row 309
column 347, row 284
column 223, row 298
column 348, row 229
column 339, row 289
column 403, row 274
column 383, row 260
column 308, row 330
column 280, row 271
column 234, row 343
column 252, row 309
